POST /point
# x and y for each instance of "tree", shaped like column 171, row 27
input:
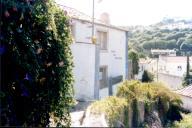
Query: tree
column 135, row 58
column 147, row 76
column 36, row 64
column 187, row 78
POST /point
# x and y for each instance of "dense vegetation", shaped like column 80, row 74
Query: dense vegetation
column 130, row 95
column 36, row 64
column 143, row 39
column 186, row 122
column 112, row 106
column 133, row 56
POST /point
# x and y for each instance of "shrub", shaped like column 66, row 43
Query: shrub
column 36, row 63
column 112, row 106
column 152, row 94
column 147, row 76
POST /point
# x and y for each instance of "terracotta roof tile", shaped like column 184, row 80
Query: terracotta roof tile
column 187, row 91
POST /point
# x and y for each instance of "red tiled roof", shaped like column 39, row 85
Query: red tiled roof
column 187, row 91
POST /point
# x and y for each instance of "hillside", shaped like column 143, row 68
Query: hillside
column 167, row 34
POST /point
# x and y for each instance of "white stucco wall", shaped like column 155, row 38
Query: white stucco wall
column 114, row 57
column 187, row 102
column 105, row 91
column 171, row 68
column 84, row 58
column 84, row 70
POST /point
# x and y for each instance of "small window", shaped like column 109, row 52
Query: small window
column 102, row 39
column 179, row 68
column 103, row 77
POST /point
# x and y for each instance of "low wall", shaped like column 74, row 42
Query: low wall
column 172, row 82
column 187, row 102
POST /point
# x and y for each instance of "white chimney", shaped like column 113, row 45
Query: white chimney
column 104, row 17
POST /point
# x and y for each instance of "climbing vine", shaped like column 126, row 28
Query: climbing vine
column 36, row 64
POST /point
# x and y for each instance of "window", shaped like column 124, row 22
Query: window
column 102, row 40
column 103, row 77
column 179, row 68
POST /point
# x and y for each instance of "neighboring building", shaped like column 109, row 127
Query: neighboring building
column 163, row 52
column 171, row 70
column 149, row 65
column 111, row 58
column 186, row 96
column 173, row 65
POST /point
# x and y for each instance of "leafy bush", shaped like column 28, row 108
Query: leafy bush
column 36, row 63
column 152, row 94
column 147, row 76
column 112, row 106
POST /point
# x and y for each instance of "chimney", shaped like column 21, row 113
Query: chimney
column 104, row 17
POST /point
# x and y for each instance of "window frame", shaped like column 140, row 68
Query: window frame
column 107, row 40
column 103, row 84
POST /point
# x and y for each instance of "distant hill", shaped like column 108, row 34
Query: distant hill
column 170, row 33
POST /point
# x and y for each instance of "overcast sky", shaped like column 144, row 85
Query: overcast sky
column 134, row 12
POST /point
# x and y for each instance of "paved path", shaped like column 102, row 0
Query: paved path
column 77, row 113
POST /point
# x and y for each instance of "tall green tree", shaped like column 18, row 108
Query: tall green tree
column 36, row 64
column 135, row 61
column 187, row 78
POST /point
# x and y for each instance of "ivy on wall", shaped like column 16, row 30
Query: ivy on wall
column 36, row 64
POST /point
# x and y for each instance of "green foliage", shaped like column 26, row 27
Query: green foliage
column 143, row 39
column 186, row 122
column 36, row 64
column 147, row 76
column 113, row 107
column 152, row 94
column 188, row 77
column 135, row 58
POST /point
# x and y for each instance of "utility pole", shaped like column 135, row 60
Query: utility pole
column 93, row 21
column 97, row 55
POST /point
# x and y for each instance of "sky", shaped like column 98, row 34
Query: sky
column 133, row 12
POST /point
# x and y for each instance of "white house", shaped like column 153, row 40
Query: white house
column 171, row 70
column 97, row 67
column 173, row 65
